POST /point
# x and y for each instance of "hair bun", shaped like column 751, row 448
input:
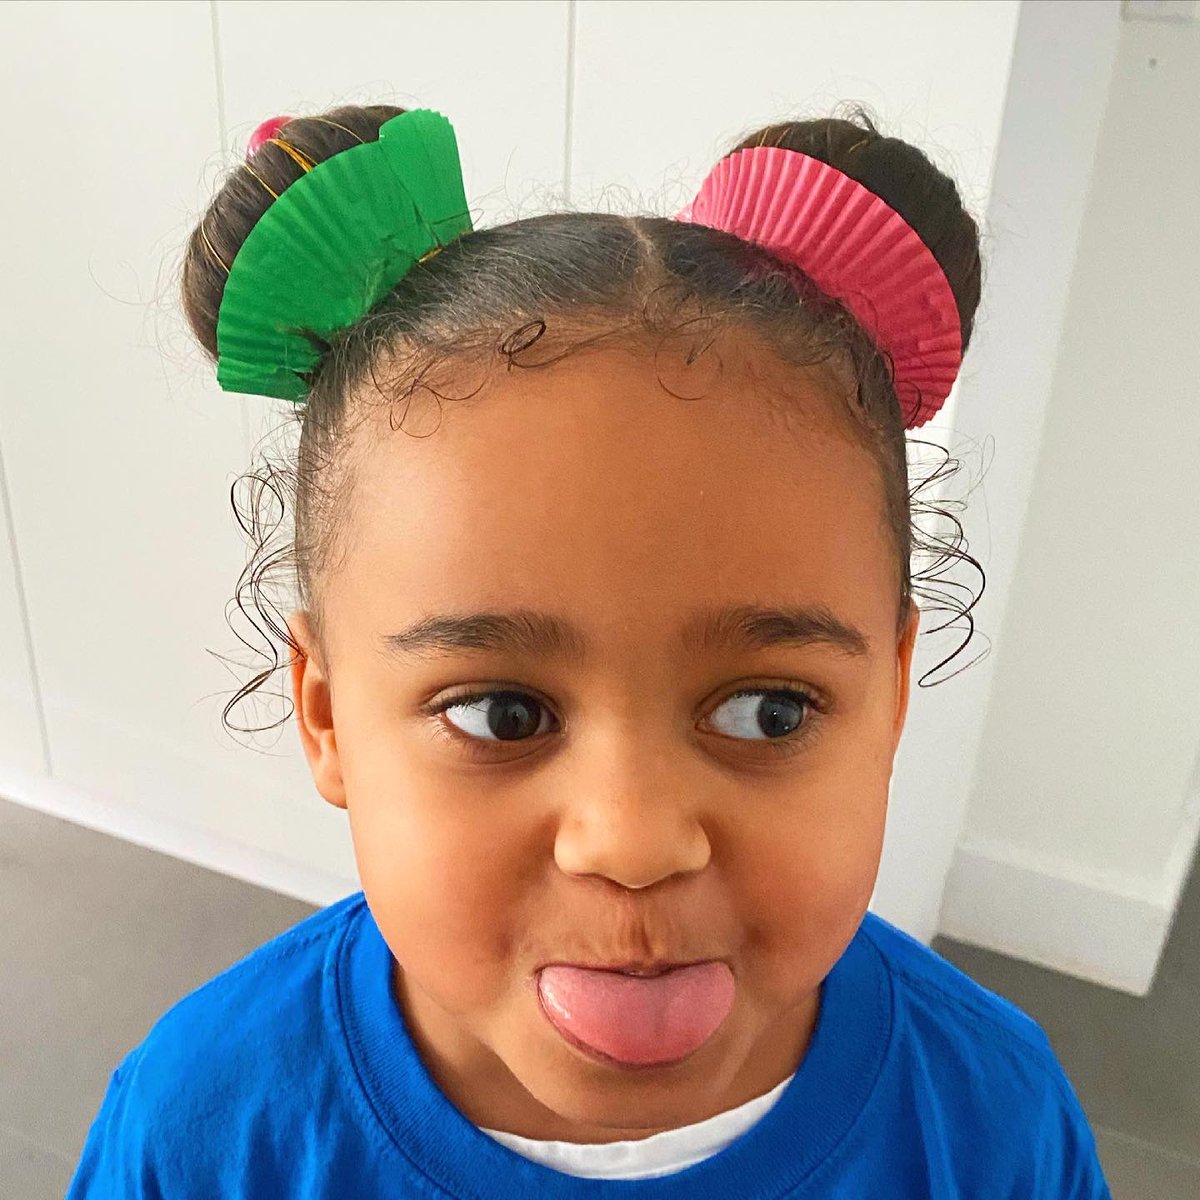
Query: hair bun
column 249, row 190
column 907, row 181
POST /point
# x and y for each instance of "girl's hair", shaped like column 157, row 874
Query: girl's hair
column 570, row 279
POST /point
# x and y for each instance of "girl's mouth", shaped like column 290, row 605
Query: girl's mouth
column 637, row 1020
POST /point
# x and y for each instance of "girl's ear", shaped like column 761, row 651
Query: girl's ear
column 314, row 713
column 904, row 654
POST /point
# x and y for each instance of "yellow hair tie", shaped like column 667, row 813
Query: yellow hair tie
column 300, row 158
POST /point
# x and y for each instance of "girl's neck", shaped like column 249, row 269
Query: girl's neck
column 479, row 1084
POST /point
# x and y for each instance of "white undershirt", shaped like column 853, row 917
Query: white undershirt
column 660, row 1154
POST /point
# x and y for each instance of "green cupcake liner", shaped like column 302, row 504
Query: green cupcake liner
column 331, row 247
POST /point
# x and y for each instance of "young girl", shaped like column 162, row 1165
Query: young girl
column 607, row 662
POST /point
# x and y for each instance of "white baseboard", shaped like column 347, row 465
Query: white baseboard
column 1107, row 929
column 156, row 831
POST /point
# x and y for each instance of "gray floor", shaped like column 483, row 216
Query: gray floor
column 98, row 937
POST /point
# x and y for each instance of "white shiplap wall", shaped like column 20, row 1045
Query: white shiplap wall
column 1085, row 806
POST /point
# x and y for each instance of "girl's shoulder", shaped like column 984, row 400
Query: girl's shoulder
column 232, row 1061
column 969, row 1064
column 929, row 987
column 256, row 985
column 944, row 1018
column 217, row 1032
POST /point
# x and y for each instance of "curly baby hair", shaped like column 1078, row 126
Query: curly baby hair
column 567, row 280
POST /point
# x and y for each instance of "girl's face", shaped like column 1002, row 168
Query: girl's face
column 633, row 806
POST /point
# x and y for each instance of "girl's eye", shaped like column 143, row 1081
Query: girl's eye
column 773, row 715
column 512, row 719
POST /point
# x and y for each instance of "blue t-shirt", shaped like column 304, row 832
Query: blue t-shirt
column 292, row 1074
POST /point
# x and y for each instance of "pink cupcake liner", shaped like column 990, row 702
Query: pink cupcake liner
column 856, row 248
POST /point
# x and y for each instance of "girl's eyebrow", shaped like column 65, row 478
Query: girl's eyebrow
column 545, row 635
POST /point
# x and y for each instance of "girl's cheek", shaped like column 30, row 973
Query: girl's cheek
column 436, row 865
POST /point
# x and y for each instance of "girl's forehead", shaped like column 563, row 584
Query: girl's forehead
column 587, row 482
column 620, row 413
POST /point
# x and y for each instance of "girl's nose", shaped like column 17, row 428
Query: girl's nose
column 631, row 825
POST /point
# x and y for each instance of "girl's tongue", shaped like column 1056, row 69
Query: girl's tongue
column 638, row 1021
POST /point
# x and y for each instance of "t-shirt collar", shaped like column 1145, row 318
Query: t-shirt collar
column 815, row 1112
